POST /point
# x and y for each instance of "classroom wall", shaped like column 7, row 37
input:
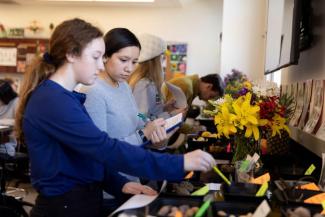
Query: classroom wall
column 196, row 22
column 243, row 45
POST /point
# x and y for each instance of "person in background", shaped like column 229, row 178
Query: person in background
column 8, row 106
column 148, row 77
column 207, row 87
column 71, row 159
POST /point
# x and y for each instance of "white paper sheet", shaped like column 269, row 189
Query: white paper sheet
column 181, row 101
column 173, row 121
column 262, row 210
column 138, row 201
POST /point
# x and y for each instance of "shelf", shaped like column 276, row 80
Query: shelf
column 309, row 141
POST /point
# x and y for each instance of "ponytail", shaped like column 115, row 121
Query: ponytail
column 39, row 71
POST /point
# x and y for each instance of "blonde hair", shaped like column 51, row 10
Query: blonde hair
column 151, row 70
column 71, row 36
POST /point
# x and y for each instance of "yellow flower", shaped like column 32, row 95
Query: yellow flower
column 247, row 85
column 278, row 124
column 252, row 129
column 225, row 122
column 245, row 112
column 247, row 116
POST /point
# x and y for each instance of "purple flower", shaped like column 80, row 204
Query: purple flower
column 243, row 91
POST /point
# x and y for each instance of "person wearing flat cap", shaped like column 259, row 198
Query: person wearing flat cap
column 147, row 79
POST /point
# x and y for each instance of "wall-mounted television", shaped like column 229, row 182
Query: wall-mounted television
column 283, row 33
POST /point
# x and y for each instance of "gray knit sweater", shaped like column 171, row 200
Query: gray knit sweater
column 114, row 111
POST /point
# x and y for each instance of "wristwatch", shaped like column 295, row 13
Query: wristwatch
column 142, row 136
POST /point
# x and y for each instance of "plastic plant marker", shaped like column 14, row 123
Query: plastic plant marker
column 244, row 166
column 189, row 175
column 310, row 170
column 323, row 205
column 316, row 199
column 221, row 175
column 261, row 192
column 310, row 186
column 203, row 208
column 201, row 192
column 261, row 179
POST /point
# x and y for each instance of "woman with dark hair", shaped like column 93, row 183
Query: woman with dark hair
column 71, row 159
column 110, row 102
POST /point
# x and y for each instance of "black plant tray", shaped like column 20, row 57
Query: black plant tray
column 154, row 207
column 161, row 201
column 313, row 208
column 171, row 190
column 242, row 192
column 234, row 208
column 294, row 196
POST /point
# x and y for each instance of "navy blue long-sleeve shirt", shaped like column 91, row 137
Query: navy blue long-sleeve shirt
column 67, row 149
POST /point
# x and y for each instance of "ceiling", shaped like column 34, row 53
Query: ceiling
column 156, row 3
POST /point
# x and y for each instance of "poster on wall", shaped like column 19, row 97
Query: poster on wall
column 299, row 105
column 316, row 106
column 175, row 60
column 305, row 110
column 8, row 56
column 321, row 131
column 292, row 91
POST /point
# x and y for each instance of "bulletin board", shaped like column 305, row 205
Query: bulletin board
column 17, row 53
column 175, row 60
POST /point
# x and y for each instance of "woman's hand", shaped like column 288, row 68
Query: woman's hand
column 198, row 160
column 163, row 144
column 155, row 131
column 137, row 188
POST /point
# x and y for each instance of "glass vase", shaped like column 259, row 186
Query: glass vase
column 244, row 146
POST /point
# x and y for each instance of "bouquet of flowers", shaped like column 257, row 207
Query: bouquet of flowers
column 252, row 112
